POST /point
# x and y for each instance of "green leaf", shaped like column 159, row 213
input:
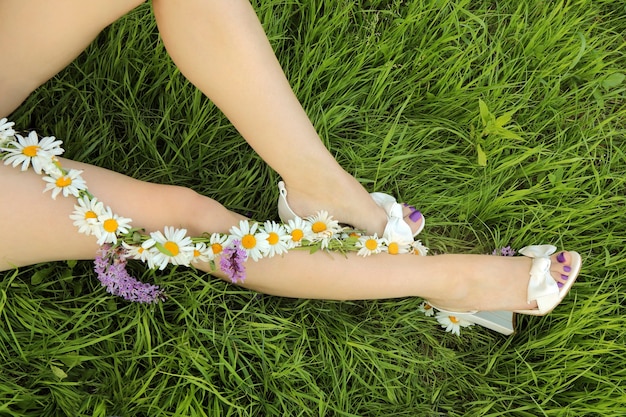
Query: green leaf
column 613, row 80
column 163, row 249
column 485, row 114
column 38, row 277
column 504, row 119
column 482, row 157
column 58, row 372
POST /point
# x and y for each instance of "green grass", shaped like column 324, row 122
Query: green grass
column 394, row 88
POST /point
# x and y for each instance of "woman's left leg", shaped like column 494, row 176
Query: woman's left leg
column 37, row 228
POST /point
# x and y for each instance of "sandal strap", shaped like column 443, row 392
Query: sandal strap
column 397, row 229
column 541, row 287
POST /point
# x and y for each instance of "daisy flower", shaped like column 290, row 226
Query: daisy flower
column 452, row 323
column 110, row 225
column 6, row 131
column 427, row 309
column 69, row 183
column 277, row 237
column 139, row 253
column 172, row 247
column 396, row 247
column 255, row 244
column 324, row 228
column 86, row 214
column 418, row 248
column 31, row 150
column 370, row 245
column 201, row 253
column 298, row 230
column 217, row 243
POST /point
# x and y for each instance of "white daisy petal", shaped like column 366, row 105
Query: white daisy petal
column 452, row 323
column 86, row 214
column 70, row 183
column 370, row 245
column 171, row 247
column 110, row 225
column 277, row 237
column 254, row 243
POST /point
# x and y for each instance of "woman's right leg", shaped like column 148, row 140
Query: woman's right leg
column 38, row 38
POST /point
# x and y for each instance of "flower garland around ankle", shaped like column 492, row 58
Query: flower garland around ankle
column 119, row 241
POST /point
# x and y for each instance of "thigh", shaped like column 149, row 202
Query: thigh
column 40, row 37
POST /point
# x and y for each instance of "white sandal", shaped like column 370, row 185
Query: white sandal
column 396, row 229
column 542, row 288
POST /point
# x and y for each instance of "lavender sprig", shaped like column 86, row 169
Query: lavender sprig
column 110, row 267
column 232, row 262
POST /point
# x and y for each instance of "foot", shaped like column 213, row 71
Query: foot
column 486, row 283
column 353, row 206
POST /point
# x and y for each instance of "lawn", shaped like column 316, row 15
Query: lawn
column 395, row 89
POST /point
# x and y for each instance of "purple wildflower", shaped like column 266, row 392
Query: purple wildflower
column 232, row 261
column 505, row 251
column 112, row 273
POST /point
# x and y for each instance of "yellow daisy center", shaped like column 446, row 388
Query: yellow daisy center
column 110, row 225
column 140, row 250
column 453, row 319
column 30, row 151
column 427, row 306
column 91, row 215
column 393, row 248
column 354, row 234
column 63, row 182
column 216, row 248
column 196, row 253
column 318, row 227
column 297, row 235
column 273, row 238
column 248, row 241
column 172, row 247
column 371, row 244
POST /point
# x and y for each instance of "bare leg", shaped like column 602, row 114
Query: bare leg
column 38, row 38
column 222, row 48
column 38, row 229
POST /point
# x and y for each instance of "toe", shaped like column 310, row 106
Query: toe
column 413, row 217
column 560, row 267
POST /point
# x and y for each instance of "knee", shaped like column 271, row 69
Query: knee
column 198, row 213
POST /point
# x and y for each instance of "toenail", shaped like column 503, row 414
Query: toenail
column 560, row 284
column 415, row 216
column 410, row 207
column 561, row 257
column 564, row 277
column 567, row 268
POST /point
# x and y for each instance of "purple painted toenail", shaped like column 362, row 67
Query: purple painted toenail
column 415, row 216
column 567, row 268
column 564, row 277
column 560, row 284
column 561, row 257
